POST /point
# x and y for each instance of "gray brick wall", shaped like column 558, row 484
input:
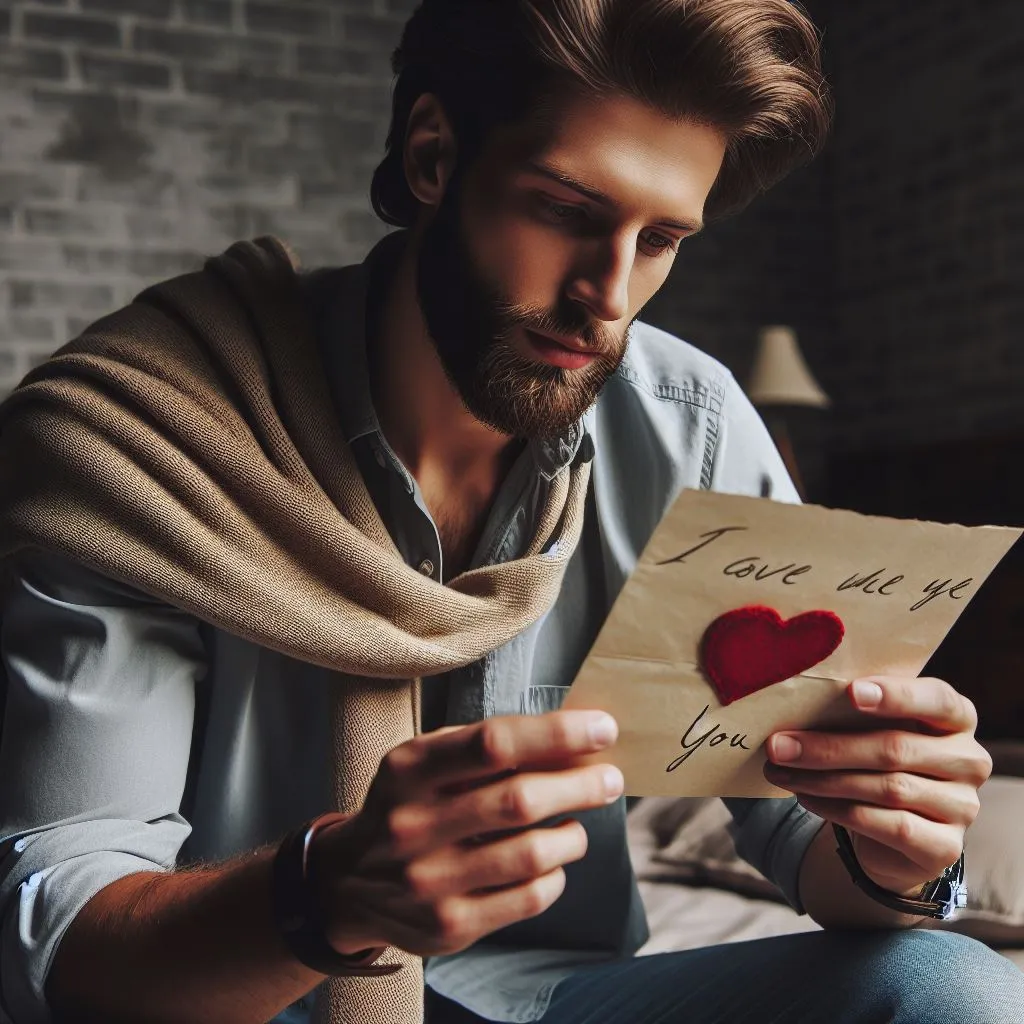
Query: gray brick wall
column 929, row 213
column 899, row 255
column 138, row 136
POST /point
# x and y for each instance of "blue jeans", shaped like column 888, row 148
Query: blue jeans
column 871, row 977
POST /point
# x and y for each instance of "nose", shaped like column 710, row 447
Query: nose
column 602, row 281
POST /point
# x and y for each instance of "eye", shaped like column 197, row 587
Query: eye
column 660, row 244
column 561, row 212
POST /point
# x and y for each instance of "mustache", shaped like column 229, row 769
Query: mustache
column 594, row 334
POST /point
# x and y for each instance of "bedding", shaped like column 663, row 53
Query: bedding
column 699, row 892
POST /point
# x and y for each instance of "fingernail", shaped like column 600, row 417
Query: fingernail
column 603, row 731
column 786, row 749
column 614, row 783
column 867, row 694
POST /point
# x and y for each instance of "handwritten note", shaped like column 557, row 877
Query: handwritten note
column 897, row 585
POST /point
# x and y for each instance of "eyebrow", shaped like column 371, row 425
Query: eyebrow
column 598, row 196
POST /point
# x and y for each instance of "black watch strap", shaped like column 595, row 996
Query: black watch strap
column 940, row 899
column 298, row 916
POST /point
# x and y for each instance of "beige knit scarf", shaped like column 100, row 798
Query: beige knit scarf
column 187, row 445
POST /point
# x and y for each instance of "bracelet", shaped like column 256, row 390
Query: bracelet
column 939, row 899
column 299, row 917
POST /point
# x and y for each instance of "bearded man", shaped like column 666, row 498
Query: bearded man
column 320, row 554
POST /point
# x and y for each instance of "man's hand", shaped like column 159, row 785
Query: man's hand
column 429, row 864
column 907, row 792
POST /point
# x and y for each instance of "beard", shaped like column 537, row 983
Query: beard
column 471, row 324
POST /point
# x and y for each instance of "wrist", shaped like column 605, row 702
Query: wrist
column 329, row 868
column 897, row 884
column 939, row 898
column 299, row 909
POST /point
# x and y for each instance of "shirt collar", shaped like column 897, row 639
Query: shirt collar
column 344, row 319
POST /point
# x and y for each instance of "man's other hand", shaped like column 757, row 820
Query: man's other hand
column 906, row 790
column 445, row 850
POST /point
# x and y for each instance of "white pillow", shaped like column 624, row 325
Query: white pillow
column 995, row 867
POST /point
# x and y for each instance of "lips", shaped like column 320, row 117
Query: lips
column 572, row 344
column 546, row 349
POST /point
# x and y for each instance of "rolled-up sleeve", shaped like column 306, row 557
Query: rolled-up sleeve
column 94, row 755
column 773, row 836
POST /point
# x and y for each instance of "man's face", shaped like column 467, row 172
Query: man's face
column 539, row 257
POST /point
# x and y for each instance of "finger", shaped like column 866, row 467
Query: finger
column 495, row 746
column 519, row 801
column 957, row 758
column 452, row 871
column 487, row 912
column 932, row 702
column 930, row 845
column 457, row 922
column 946, row 802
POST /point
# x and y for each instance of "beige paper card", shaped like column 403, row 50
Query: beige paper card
column 897, row 585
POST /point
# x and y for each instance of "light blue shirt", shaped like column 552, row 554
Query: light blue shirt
column 137, row 738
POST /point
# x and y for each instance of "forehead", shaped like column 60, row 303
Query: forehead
column 622, row 147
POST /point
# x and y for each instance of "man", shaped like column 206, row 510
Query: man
column 208, row 572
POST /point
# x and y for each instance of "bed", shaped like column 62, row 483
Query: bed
column 699, row 893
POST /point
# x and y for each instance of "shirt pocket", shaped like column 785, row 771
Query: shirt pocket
column 538, row 700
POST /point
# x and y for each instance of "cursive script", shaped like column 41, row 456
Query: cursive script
column 711, row 535
column 758, row 569
column 712, row 737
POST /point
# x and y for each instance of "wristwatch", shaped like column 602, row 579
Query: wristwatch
column 940, row 898
column 299, row 917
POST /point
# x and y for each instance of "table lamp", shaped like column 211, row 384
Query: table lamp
column 780, row 379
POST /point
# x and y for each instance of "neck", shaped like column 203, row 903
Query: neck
column 420, row 412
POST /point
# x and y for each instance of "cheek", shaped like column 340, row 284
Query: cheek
column 527, row 262
column 647, row 282
column 530, row 263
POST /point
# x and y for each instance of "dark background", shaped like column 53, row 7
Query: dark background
column 136, row 136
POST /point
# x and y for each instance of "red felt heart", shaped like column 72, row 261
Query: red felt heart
column 747, row 649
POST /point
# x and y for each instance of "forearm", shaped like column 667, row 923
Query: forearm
column 831, row 898
column 195, row 945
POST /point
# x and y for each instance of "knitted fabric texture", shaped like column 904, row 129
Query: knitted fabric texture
column 747, row 649
column 187, row 445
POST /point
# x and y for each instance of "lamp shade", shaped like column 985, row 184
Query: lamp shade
column 780, row 375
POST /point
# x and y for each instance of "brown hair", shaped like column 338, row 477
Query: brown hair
column 751, row 68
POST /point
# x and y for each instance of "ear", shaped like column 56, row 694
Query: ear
column 429, row 155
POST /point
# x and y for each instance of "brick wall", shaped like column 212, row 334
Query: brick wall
column 899, row 255
column 928, row 197
column 137, row 136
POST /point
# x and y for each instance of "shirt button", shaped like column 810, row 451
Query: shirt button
column 426, row 567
